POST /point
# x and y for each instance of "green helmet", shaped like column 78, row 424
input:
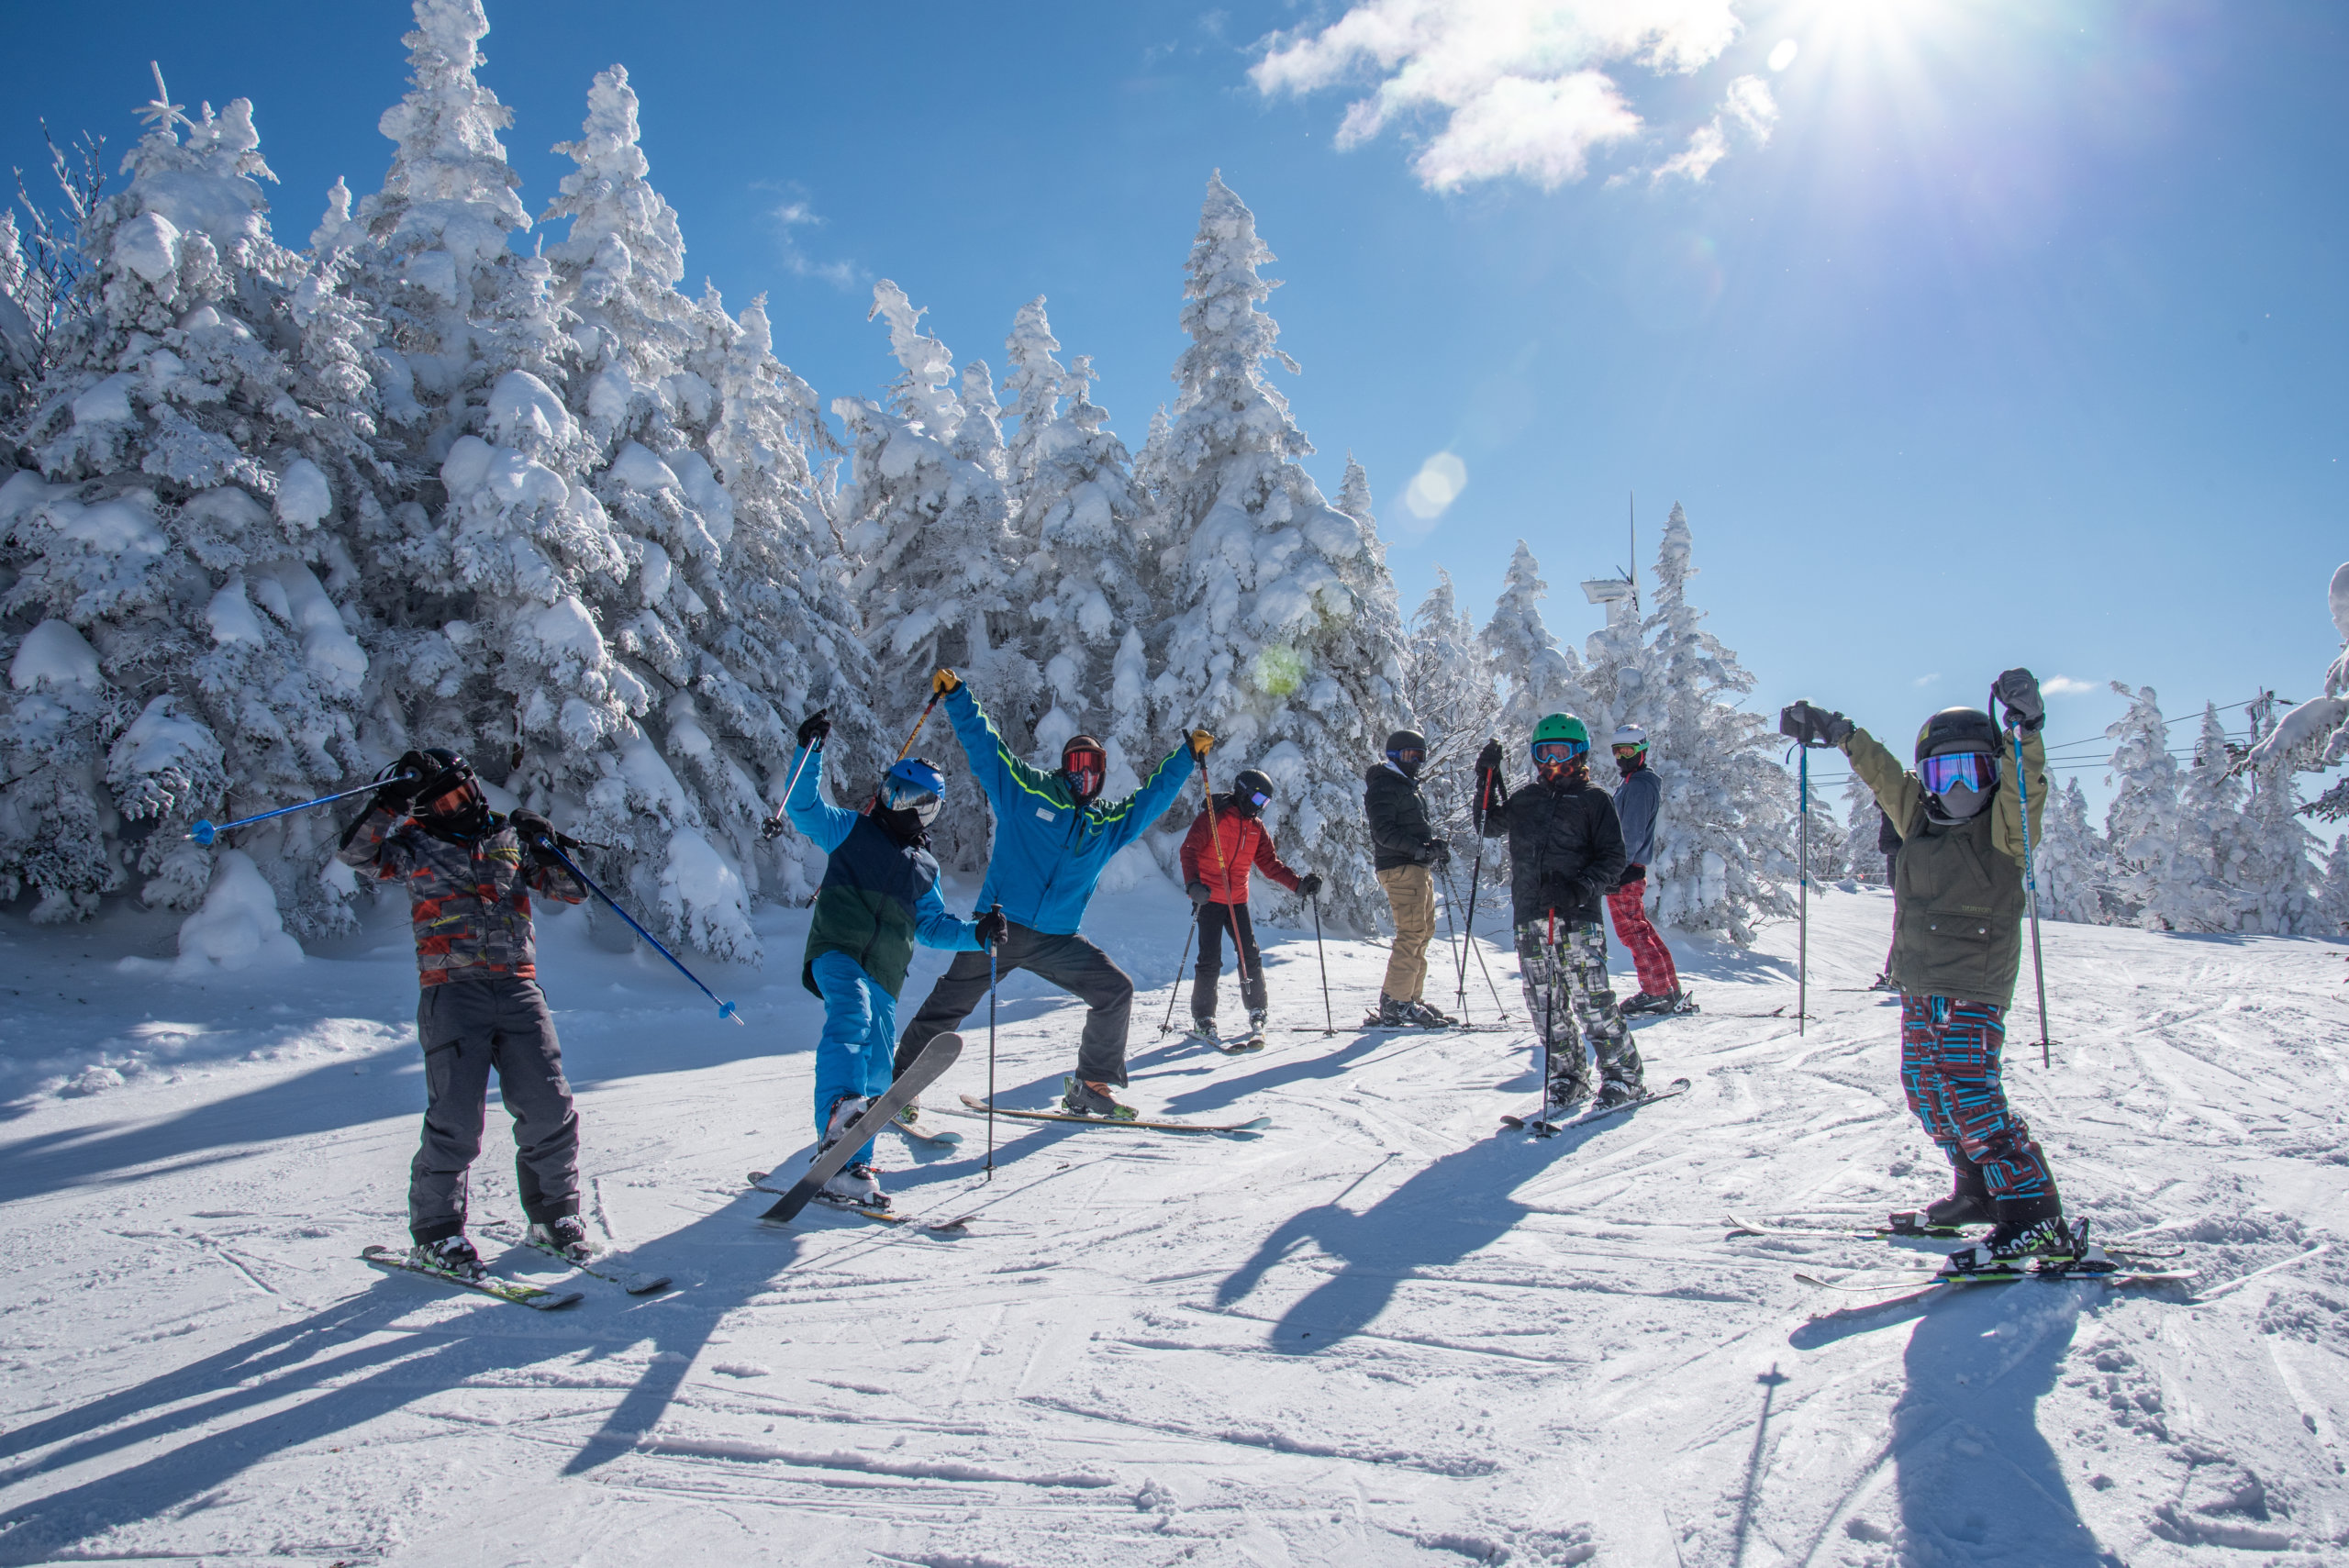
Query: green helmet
column 1563, row 727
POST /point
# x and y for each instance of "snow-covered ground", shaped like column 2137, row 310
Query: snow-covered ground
column 1376, row 1333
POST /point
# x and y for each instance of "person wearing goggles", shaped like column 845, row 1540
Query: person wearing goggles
column 1565, row 852
column 1406, row 853
column 1227, row 845
column 879, row 898
column 1638, row 801
column 1054, row 835
column 1958, row 908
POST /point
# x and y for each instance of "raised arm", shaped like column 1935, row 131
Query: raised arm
column 374, row 841
column 1000, row 774
column 2006, row 836
column 1898, row 793
column 1132, row 817
column 827, row 824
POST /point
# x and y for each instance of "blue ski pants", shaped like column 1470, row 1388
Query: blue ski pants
column 1949, row 1068
column 852, row 1055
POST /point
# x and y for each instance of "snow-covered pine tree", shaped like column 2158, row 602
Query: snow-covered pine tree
column 2142, row 824
column 2314, row 736
column 1086, row 579
column 1448, row 684
column 2203, row 891
column 187, row 654
column 1831, row 859
column 1282, row 635
column 2278, row 891
column 2331, row 918
column 2074, row 867
column 1725, row 836
column 1537, row 675
column 1861, row 821
column 932, row 533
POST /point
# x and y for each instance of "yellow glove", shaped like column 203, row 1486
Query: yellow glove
column 1201, row 742
column 943, row 682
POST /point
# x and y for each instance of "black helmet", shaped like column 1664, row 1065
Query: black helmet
column 1251, row 792
column 1407, row 750
column 1958, row 763
column 451, row 772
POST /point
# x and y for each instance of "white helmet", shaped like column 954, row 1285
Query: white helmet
column 1630, row 735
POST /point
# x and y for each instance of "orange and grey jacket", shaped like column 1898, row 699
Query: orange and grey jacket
column 468, row 898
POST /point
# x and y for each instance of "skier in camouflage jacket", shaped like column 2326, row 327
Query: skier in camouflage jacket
column 469, row 873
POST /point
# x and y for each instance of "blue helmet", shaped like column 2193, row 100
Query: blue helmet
column 915, row 785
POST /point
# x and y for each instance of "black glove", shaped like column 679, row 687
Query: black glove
column 815, row 728
column 396, row 785
column 1309, row 885
column 1199, row 894
column 1439, row 854
column 1488, row 761
column 992, row 925
column 1809, row 726
column 1634, row 872
column 537, row 836
column 2019, row 690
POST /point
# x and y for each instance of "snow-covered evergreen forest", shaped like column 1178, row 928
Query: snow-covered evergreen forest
column 453, row 475
column 449, row 473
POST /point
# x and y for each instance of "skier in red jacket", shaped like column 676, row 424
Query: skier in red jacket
column 1227, row 841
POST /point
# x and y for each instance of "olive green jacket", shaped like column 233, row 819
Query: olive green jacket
column 1959, row 900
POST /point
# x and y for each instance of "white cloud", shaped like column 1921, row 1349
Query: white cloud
column 1438, row 484
column 2067, row 685
column 1926, row 680
column 1784, row 55
column 1749, row 106
column 1526, row 88
column 794, row 216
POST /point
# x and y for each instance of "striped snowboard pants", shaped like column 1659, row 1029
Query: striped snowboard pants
column 1950, row 1069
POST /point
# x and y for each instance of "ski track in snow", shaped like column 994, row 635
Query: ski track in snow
column 1379, row 1331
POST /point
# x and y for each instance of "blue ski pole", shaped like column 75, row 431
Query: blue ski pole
column 204, row 832
column 725, row 1009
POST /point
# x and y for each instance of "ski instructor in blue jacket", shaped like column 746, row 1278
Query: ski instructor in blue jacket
column 1054, row 838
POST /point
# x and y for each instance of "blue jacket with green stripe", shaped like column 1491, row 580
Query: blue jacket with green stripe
column 1050, row 852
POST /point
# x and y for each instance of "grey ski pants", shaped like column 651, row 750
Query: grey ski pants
column 468, row 1028
column 1068, row 961
column 1570, row 1000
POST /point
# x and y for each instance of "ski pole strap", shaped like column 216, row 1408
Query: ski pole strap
column 725, row 1009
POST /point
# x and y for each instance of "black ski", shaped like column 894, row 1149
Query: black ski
column 865, row 1211
column 920, row 1074
column 1540, row 1129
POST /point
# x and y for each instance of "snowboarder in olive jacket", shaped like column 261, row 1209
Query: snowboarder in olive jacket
column 1566, row 853
column 1957, row 949
column 1406, row 853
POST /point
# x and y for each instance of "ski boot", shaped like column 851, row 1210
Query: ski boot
column 1392, row 1014
column 1419, row 1015
column 1566, row 1099
column 854, row 1186
column 1968, row 1204
column 1081, row 1098
column 1617, row 1091
column 911, row 1113
column 451, row 1255
column 1203, row 1031
column 1645, row 1001
column 566, row 1235
column 1884, row 983
column 1255, row 1041
column 2011, row 1249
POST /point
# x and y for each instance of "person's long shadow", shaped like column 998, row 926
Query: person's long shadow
column 1449, row 1209
column 1976, row 1479
column 340, row 1377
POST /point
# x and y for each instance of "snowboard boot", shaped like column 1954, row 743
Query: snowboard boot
column 1203, row 1031
column 1081, row 1098
column 854, row 1186
column 2011, row 1249
column 1419, row 1015
column 451, row 1255
column 566, row 1235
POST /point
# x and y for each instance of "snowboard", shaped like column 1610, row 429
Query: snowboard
column 1549, row 1128
column 979, row 1107
column 920, row 1074
column 531, row 1296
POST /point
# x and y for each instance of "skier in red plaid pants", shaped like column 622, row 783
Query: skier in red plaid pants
column 1636, row 803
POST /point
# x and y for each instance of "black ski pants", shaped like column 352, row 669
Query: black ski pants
column 470, row 1028
column 1068, row 961
column 1216, row 922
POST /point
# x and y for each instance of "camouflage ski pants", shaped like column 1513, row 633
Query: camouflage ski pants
column 1567, row 995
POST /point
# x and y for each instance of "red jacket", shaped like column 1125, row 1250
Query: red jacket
column 1245, row 844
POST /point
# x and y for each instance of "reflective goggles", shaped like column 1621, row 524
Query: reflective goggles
column 1257, row 798
column 1408, row 757
column 1976, row 771
column 1558, row 753
column 1084, row 770
column 903, row 794
column 1626, row 750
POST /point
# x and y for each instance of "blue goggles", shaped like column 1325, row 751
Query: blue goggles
column 1976, row 771
column 1558, row 753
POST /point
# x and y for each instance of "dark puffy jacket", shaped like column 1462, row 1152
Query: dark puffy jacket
column 879, row 896
column 1637, row 803
column 1565, row 850
column 1399, row 833
column 468, row 898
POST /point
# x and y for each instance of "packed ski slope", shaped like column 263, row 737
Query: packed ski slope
column 1379, row 1332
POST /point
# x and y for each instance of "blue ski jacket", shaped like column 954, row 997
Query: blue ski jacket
column 879, row 896
column 1636, row 803
column 1049, row 852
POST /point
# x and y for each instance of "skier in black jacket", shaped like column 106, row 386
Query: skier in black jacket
column 1403, row 847
column 1565, row 852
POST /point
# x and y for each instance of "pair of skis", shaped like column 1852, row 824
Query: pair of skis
column 1538, row 1128
column 2125, row 1262
column 541, row 1298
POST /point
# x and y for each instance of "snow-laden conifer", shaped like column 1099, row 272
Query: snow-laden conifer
column 2331, row 915
column 1863, row 820
column 176, row 577
column 1455, row 701
column 2203, row 889
column 2142, row 824
column 2073, row 863
column 2278, row 892
column 1537, row 674
column 1282, row 633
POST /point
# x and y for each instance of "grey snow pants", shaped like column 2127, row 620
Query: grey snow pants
column 1571, row 1001
column 468, row 1028
column 1068, row 961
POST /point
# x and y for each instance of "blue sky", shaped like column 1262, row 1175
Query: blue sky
column 2016, row 339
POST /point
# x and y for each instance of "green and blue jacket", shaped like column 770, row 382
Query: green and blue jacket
column 1049, row 852
column 879, row 896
